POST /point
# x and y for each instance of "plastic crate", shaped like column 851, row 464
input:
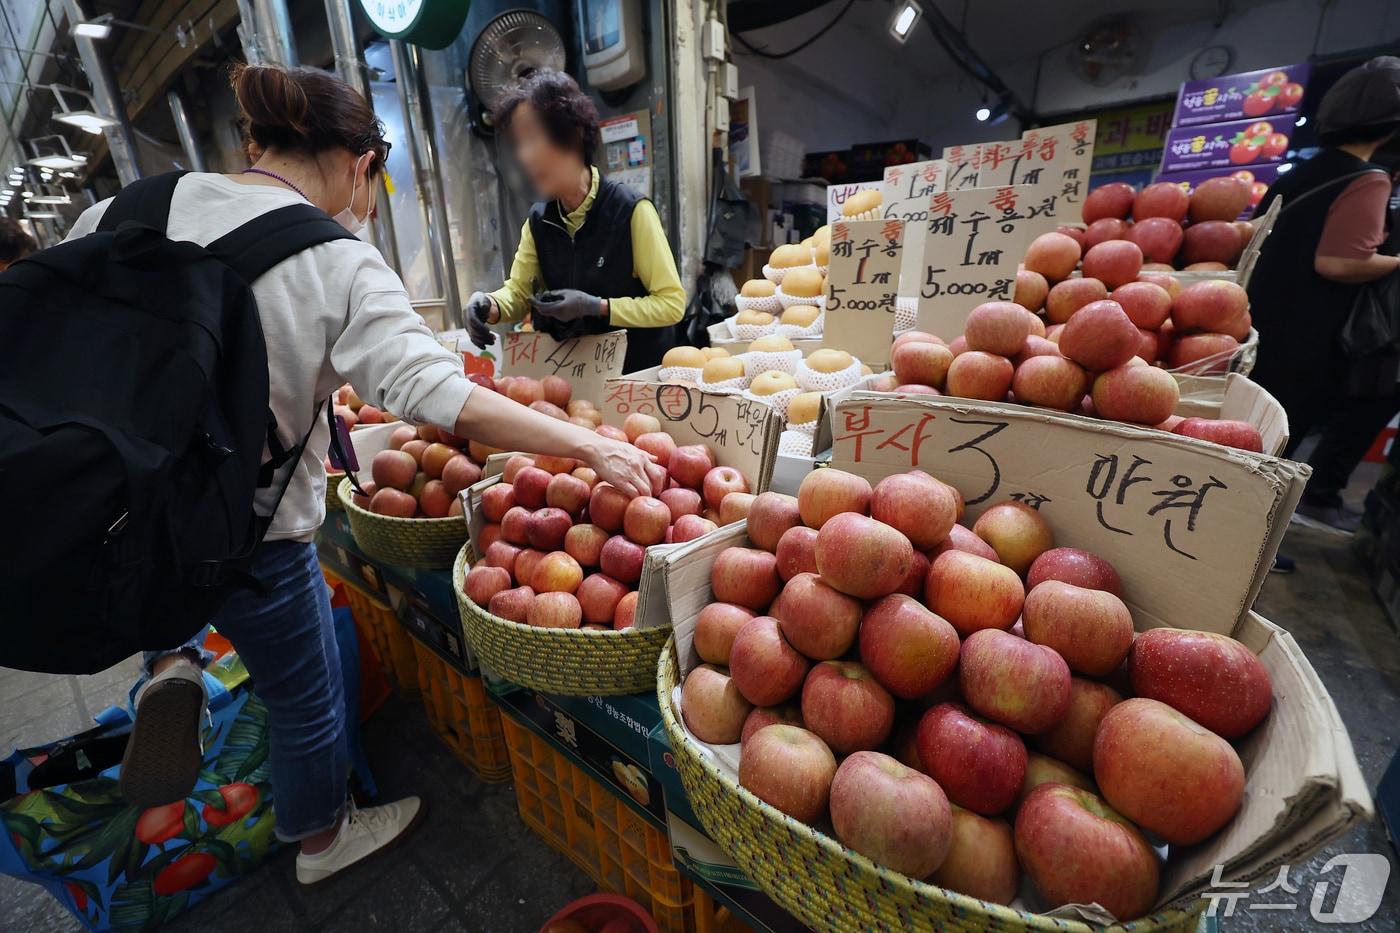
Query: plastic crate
column 581, row 818
column 393, row 645
column 713, row 917
column 460, row 712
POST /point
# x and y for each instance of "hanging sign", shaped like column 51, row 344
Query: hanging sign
column 861, row 285
column 432, row 24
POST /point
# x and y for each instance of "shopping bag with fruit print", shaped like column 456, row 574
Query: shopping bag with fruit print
column 117, row 866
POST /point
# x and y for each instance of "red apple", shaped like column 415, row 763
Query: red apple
column 980, row 375
column 916, row 505
column 514, row 465
column 961, row 538
column 557, row 390
column 817, row 619
column 845, row 706
column 690, row 463
column 921, row 363
column 1031, row 289
column 557, row 572
column 606, row 507
column 1165, row 772
column 1214, row 679
column 720, row 482
column 1159, row 238
column 1112, row 200
column 1099, row 336
column 484, row 581
column 891, row 814
column 525, row 390
column 1053, row 255
column 797, row 552
column 659, row 477
column 1033, row 347
column 789, row 714
column 1238, row 434
column 1013, row 681
column 745, row 576
column 734, row 507
column 659, row 444
column 1018, row 533
column 1050, row 381
column 556, row 609
column 513, row 605
column 908, row 649
column 568, row 493
column 531, row 484
column 496, row 501
column 1072, row 565
column 980, row 765
column 973, row 592
column 393, row 469
column 981, row 860
column 913, row 582
column 1042, row 769
column 584, row 543
column 766, row 669
column 645, row 520
column 862, row 557
column 1215, row 306
column 1146, row 304
column 1092, row 630
column 1211, row 241
column 610, row 431
column 402, row 435
column 525, row 564
column 1135, row 393
column 997, row 327
column 715, row 628
column 1071, row 740
column 690, row 527
column 1221, row 198
column 599, row 595
column 434, row 499
column 1163, row 199
column 1070, row 295
column 1078, row 850
column 1104, row 230
column 637, row 424
column 770, row 516
column 546, row 528
column 681, row 501
column 622, row 560
column 1202, row 354
column 712, row 706
column 1113, row 262
column 827, row 492
column 790, row 769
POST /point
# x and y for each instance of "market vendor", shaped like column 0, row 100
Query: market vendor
column 593, row 256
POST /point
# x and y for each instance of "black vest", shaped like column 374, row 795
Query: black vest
column 597, row 259
column 1298, row 313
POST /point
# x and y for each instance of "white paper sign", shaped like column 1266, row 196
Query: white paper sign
column 620, row 130
column 862, row 283
column 837, row 195
column 914, row 181
column 963, row 166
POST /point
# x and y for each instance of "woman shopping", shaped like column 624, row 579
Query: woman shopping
column 592, row 256
column 331, row 314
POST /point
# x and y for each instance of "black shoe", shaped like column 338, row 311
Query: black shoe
column 1333, row 517
column 163, row 755
column 1282, row 565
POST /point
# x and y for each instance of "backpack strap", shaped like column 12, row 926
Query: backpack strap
column 145, row 201
column 268, row 239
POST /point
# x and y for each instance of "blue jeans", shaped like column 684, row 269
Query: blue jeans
column 286, row 639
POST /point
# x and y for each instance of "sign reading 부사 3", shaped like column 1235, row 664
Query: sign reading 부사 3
column 861, row 286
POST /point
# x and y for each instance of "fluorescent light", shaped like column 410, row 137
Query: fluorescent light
column 983, row 114
column 906, row 15
column 85, row 120
column 1302, row 121
column 67, row 174
column 92, row 30
column 41, row 215
column 57, row 160
column 51, row 199
column 1285, row 167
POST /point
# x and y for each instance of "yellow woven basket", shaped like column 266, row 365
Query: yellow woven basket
column 420, row 543
column 824, row 884
column 333, row 481
column 570, row 662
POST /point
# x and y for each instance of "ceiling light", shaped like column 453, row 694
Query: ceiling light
column 906, row 15
column 41, row 215
column 99, row 28
column 85, row 120
column 982, row 114
column 27, row 194
column 1285, row 167
column 57, row 160
column 67, row 174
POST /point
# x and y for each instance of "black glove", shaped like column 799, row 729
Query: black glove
column 479, row 309
column 565, row 304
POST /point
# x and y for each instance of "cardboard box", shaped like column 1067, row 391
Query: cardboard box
column 587, row 362
column 1242, row 96
column 1303, row 785
column 722, row 336
column 1191, row 526
column 1241, row 144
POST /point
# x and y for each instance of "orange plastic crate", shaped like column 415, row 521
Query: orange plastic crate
column 581, row 818
column 711, row 917
column 460, row 712
column 376, row 620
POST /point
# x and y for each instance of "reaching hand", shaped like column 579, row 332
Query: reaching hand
column 622, row 465
column 565, row 304
column 479, row 308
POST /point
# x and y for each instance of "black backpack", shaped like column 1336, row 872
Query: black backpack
column 133, row 419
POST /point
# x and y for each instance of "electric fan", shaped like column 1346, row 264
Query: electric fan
column 513, row 44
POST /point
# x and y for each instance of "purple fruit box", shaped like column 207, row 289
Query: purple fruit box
column 1260, row 177
column 1250, row 95
column 1241, row 144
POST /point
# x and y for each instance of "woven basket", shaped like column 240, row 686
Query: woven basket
column 565, row 661
column 420, row 543
column 333, row 481
column 824, row 884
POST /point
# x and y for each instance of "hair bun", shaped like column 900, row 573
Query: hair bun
column 273, row 100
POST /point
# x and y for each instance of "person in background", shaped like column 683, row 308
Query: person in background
column 15, row 244
column 592, row 256
column 1326, row 245
column 331, row 314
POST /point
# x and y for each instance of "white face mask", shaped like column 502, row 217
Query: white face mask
column 347, row 218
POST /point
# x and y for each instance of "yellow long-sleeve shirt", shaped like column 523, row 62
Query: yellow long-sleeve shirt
column 652, row 264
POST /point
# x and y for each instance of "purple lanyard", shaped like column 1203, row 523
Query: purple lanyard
column 274, row 175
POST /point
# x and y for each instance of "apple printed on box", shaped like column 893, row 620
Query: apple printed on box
column 1248, row 95
column 1222, row 145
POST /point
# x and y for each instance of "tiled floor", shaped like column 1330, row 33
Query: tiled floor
column 474, row 867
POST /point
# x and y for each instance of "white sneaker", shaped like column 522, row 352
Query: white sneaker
column 164, row 753
column 362, row 834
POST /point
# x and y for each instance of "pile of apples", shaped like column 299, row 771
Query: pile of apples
column 560, row 549
column 1175, row 229
column 354, row 411
column 965, row 705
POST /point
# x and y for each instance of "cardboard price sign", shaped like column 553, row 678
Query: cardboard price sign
column 587, row 362
column 973, row 242
column 914, row 182
column 1033, row 159
column 1165, row 510
column 963, row 165
column 836, row 196
column 742, row 433
column 1075, row 142
column 861, row 286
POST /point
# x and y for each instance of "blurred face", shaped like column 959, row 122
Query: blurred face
column 553, row 171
